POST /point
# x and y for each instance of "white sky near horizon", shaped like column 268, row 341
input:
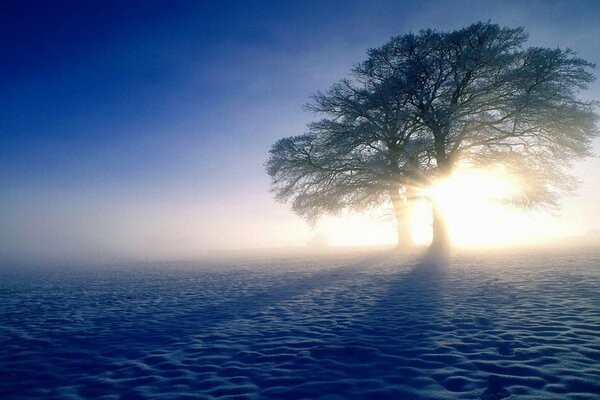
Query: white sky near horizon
column 214, row 194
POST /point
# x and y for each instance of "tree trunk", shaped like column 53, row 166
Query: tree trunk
column 440, row 240
column 402, row 213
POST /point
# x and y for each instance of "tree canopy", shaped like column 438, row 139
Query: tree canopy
column 423, row 103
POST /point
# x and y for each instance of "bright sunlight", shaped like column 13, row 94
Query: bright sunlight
column 473, row 202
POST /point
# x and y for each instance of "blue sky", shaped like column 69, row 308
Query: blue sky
column 139, row 129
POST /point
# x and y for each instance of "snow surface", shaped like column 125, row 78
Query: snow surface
column 356, row 325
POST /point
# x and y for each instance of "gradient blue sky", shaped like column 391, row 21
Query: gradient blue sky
column 139, row 129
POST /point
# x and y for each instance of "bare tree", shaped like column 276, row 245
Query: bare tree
column 481, row 97
column 365, row 153
column 424, row 103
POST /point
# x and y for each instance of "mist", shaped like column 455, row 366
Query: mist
column 146, row 140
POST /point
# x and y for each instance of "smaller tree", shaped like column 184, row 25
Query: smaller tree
column 364, row 154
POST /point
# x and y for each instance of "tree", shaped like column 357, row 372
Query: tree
column 367, row 152
column 481, row 97
column 424, row 103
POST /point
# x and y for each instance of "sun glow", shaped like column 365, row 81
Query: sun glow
column 473, row 203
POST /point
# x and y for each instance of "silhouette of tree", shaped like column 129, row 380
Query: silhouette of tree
column 481, row 97
column 424, row 103
column 367, row 152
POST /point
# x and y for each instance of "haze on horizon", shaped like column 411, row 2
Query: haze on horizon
column 136, row 131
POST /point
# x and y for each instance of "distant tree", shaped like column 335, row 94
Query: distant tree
column 423, row 103
column 481, row 97
column 365, row 153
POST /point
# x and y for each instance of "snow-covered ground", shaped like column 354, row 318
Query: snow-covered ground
column 366, row 324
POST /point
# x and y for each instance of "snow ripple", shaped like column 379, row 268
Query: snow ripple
column 368, row 325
